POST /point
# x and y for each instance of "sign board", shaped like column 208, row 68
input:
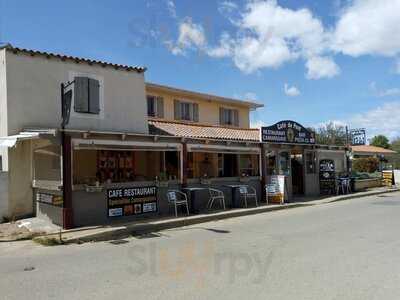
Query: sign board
column 275, row 189
column 396, row 177
column 327, row 176
column 357, row 137
column 51, row 199
column 388, row 178
column 131, row 201
column 287, row 132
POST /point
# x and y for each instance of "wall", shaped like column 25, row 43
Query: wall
column 362, row 184
column 20, row 180
column 34, row 95
column 208, row 111
column 3, row 196
column 338, row 156
column 3, row 108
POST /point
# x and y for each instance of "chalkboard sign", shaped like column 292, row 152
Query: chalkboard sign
column 327, row 176
column 287, row 132
column 275, row 189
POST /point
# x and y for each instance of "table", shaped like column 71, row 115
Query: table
column 191, row 193
column 235, row 199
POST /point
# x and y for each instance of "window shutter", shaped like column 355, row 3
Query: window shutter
column 94, row 96
column 160, row 107
column 81, row 94
column 195, row 112
column 177, row 110
column 221, row 116
column 236, row 117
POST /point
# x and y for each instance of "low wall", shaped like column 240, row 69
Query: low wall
column 3, row 196
column 91, row 208
column 362, row 184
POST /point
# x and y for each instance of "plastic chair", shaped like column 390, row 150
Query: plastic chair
column 177, row 198
column 216, row 195
column 248, row 192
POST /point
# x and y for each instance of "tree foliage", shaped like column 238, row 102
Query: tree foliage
column 395, row 146
column 380, row 141
column 368, row 164
column 331, row 134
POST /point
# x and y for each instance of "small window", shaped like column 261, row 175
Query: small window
column 86, row 95
column 186, row 111
column 229, row 116
column 155, row 106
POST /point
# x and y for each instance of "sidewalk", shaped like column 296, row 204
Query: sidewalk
column 124, row 230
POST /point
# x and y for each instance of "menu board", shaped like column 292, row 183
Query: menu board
column 123, row 202
column 327, row 176
column 51, row 199
column 276, row 189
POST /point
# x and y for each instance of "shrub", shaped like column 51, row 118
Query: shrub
column 368, row 164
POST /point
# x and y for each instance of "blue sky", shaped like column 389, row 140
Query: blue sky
column 310, row 61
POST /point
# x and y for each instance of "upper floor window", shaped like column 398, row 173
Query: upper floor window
column 155, row 106
column 86, row 95
column 228, row 116
column 187, row 111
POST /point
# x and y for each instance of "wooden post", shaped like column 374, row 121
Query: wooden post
column 67, row 182
column 263, row 169
column 184, row 164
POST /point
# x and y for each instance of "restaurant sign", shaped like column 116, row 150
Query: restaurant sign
column 287, row 132
column 131, row 201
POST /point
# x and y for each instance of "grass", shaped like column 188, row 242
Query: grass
column 48, row 241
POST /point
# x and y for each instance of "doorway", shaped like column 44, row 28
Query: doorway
column 297, row 166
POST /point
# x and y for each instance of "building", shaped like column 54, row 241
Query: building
column 127, row 142
column 385, row 156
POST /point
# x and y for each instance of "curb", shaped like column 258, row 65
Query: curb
column 142, row 229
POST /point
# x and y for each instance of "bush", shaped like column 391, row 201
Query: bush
column 368, row 164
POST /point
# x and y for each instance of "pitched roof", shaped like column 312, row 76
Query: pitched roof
column 203, row 131
column 63, row 57
column 371, row 149
column 204, row 96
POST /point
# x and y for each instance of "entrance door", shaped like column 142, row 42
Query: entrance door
column 297, row 174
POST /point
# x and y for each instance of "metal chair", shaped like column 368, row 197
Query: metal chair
column 216, row 195
column 248, row 192
column 177, row 198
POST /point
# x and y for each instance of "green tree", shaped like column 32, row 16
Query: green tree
column 380, row 141
column 331, row 134
column 395, row 146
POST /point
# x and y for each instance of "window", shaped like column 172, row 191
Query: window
column 228, row 116
column 249, row 165
column 86, row 95
column 271, row 163
column 284, row 163
column 310, row 162
column 155, row 106
column 187, row 111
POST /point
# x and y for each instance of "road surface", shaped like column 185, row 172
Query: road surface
column 343, row 250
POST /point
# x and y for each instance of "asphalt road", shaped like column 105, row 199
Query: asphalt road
column 343, row 250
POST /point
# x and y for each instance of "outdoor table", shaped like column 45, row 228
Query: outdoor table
column 235, row 198
column 191, row 193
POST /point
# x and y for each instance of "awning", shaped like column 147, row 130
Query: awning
column 222, row 149
column 117, row 145
column 11, row 141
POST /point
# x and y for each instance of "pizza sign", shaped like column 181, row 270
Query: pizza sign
column 287, row 132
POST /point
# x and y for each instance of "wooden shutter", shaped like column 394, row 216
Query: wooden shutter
column 235, row 117
column 221, row 116
column 177, row 109
column 195, row 112
column 81, row 94
column 94, row 96
column 160, row 107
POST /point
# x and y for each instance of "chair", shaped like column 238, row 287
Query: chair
column 216, row 195
column 248, row 192
column 177, row 198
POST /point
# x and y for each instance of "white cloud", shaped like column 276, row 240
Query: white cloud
column 171, row 8
column 397, row 66
column 368, row 27
column 321, row 67
column 224, row 49
column 191, row 36
column 384, row 93
column 227, row 7
column 291, row 91
column 381, row 120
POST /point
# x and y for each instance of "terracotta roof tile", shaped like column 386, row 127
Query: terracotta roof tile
column 371, row 149
column 203, row 131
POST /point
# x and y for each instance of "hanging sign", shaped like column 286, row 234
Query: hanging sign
column 276, row 189
column 131, row 201
column 287, row 132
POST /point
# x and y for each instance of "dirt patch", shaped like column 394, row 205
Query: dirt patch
column 11, row 232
